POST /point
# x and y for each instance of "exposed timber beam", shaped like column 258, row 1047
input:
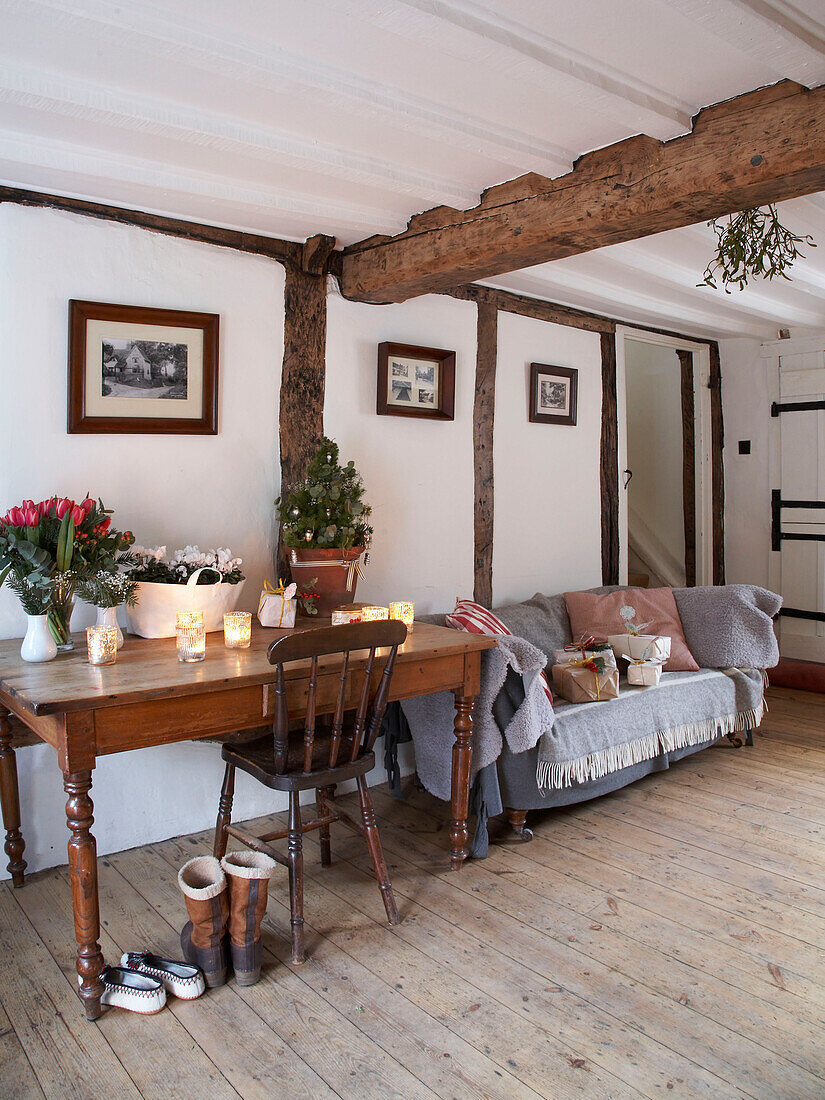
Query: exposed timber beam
column 760, row 147
column 288, row 252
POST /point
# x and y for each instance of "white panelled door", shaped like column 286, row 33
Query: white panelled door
column 802, row 479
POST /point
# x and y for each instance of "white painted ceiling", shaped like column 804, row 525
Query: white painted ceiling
column 293, row 117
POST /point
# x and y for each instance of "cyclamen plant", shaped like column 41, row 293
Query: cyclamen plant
column 151, row 566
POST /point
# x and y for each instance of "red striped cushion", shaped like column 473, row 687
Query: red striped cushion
column 475, row 619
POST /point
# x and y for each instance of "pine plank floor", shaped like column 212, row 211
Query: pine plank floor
column 667, row 940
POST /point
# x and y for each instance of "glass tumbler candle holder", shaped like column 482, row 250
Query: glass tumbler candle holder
column 101, row 645
column 237, row 629
column 191, row 636
column 370, row 614
column 405, row 611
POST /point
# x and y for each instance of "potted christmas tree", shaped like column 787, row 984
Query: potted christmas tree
column 325, row 525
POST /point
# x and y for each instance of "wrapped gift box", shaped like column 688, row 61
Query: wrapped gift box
column 580, row 684
column 278, row 607
column 641, row 647
column 644, row 673
column 567, row 656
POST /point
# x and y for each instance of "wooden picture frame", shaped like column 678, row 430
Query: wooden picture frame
column 554, row 394
column 416, row 381
column 142, row 371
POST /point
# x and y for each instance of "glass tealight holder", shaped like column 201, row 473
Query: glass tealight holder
column 101, row 645
column 405, row 611
column 370, row 614
column 237, row 629
column 191, row 636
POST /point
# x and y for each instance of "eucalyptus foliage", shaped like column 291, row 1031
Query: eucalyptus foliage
column 327, row 509
column 752, row 243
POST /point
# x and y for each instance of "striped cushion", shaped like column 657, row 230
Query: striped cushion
column 475, row 619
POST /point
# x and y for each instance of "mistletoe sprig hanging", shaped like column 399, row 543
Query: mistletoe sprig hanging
column 752, row 243
column 326, row 509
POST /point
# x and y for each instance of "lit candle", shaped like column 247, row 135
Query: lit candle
column 405, row 611
column 191, row 636
column 237, row 629
column 101, row 645
column 370, row 614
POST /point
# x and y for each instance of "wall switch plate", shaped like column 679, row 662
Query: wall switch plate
column 744, row 446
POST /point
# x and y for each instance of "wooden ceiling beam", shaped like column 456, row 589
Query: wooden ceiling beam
column 760, row 147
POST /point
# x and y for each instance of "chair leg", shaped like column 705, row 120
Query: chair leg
column 224, row 812
column 323, row 799
column 376, row 851
column 296, row 877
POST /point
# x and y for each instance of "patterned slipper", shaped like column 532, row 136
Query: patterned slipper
column 178, row 978
column 130, row 990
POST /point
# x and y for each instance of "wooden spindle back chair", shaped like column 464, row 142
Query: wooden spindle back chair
column 322, row 753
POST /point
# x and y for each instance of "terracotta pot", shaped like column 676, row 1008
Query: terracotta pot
column 331, row 570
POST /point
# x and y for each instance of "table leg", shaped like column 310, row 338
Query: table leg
column 83, row 875
column 10, row 799
column 460, row 787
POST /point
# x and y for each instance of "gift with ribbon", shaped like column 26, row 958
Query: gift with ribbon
column 586, row 680
column 585, row 649
column 278, row 606
column 644, row 673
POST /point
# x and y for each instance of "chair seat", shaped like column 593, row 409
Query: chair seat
column 257, row 758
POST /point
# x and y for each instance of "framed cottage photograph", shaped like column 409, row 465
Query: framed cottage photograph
column 134, row 370
column 553, row 394
column 416, row 381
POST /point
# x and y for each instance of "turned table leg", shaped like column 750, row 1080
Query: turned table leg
column 83, row 875
column 10, row 799
column 460, row 786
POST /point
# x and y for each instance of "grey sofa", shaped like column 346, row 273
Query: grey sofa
column 726, row 628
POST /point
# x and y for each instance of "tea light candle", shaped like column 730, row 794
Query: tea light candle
column 191, row 636
column 237, row 629
column 370, row 614
column 101, row 645
column 405, row 611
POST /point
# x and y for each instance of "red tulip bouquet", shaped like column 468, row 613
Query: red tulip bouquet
column 53, row 551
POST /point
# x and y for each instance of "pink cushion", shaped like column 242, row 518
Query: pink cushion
column 592, row 613
column 475, row 619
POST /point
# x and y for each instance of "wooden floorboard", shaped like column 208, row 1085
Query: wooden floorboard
column 667, row 940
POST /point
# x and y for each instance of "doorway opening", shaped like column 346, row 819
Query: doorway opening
column 665, row 491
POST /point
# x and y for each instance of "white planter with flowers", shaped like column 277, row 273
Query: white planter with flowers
column 210, row 582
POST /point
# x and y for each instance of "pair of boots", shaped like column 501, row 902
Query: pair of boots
column 225, row 894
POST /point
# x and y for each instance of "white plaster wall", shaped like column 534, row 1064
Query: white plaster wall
column 653, row 384
column 418, row 474
column 173, row 489
column 547, row 526
column 746, row 398
column 219, row 490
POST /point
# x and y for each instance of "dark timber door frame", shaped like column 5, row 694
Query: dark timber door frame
column 704, row 551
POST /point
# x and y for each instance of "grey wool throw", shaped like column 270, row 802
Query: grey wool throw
column 430, row 717
column 590, row 740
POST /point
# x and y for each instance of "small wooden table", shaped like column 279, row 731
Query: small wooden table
column 149, row 698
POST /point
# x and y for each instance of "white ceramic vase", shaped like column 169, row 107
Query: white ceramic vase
column 38, row 645
column 107, row 616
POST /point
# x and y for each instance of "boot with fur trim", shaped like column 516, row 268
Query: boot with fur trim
column 247, row 874
column 203, row 939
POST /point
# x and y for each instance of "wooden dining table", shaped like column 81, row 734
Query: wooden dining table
column 149, row 698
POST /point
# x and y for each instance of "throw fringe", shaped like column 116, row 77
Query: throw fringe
column 595, row 765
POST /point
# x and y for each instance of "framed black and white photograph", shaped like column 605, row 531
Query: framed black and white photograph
column 553, row 394
column 416, row 381
column 142, row 371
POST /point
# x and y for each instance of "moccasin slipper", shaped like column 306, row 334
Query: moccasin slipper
column 181, row 979
column 130, row 990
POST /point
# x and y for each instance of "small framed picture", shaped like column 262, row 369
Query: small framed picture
column 134, row 370
column 416, row 381
column 553, row 394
